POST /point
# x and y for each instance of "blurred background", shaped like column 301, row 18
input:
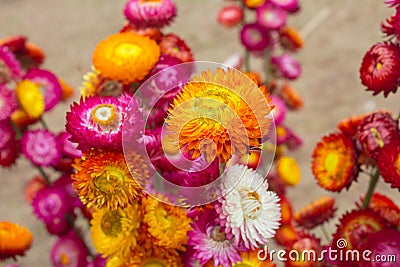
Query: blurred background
column 68, row 32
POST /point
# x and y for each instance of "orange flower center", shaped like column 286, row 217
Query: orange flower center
column 243, row 265
column 109, row 181
column 153, row 263
column 251, row 204
column 128, row 50
column 64, row 260
column 106, row 116
column 111, row 223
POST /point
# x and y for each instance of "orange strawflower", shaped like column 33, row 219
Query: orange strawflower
column 14, row 240
column 67, row 90
column 286, row 235
column 127, row 57
column 316, row 213
column 290, row 38
column 291, row 97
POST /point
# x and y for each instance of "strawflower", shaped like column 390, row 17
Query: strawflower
column 15, row 240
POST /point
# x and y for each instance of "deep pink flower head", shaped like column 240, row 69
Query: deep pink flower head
column 40, row 147
column 155, row 13
column 209, row 241
column 98, row 261
column 96, row 122
column 9, row 146
column 10, row 68
column 391, row 27
column 69, row 251
column 230, row 16
column 288, row 5
column 49, row 85
column 65, row 183
column 8, row 102
column 270, row 16
column 254, row 37
column 158, row 112
column 280, row 109
column 51, row 206
column 383, row 244
column 393, row 3
column 288, row 66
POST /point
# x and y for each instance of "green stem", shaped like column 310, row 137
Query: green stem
column 372, row 185
column 325, row 233
column 71, row 221
column 267, row 66
column 246, row 60
column 44, row 124
column 17, row 130
column 44, row 175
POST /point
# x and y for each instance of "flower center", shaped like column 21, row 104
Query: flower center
column 109, row 181
column 106, row 116
column 251, row 204
column 51, row 205
column 128, row 50
column 111, row 223
column 331, row 162
column 397, row 163
column 377, row 137
column 153, row 263
column 64, row 260
column 242, row 265
column 217, row 235
column 5, row 73
column 255, row 36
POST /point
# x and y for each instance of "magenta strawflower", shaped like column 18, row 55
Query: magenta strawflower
column 254, row 37
column 69, row 251
column 49, row 86
column 8, row 102
column 7, row 134
column 270, row 16
column 209, row 242
column 51, row 206
column 383, row 244
column 96, row 122
column 289, row 67
column 391, row 28
column 65, row 183
column 279, row 110
column 392, row 3
column 288, row 5
column 40, row 147
column 155, row 13
column 9, row 154
column 10, row 68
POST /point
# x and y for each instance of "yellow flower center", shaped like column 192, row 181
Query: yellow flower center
column 128, row 50
column 332, row 161
column 150, row 1
column 109, row 181
column 251, row 204
column 154, row 263
column 217, row 235
column 377, row 137
column 243, row 265
column 111, row 223
column 64, row 260
column 106, row 116
column 379, row 66
column 5, row 73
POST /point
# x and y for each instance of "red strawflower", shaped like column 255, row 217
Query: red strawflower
column 380, row 68
column 389, row 164
column 174, row 46
column 305, row 246
column 376, row 131
column 316, row 213
column 349, row 126
column 392, row 26
column 230, row 16
column 386, row 208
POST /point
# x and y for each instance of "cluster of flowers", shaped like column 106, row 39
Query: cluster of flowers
column 132, row 223
column 27, row 92
column 368, row 144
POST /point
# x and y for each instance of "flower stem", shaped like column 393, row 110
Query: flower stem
column 325, row 233
column 71, row 221
column 44, row 124
column 372, row 185
column 17, row 130
column 267, row 66
column 246, row 60
column 44, row 175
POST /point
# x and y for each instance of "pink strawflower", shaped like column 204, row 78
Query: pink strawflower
column 230, row 16
column 8, row 102
column 96, row 122
column 98, row 261
column 254, row 37
column 294, row 141
column 69, row 251
column 158, row 112
column 40, row 147
column 288, row 66
column 150, row 13
column 280, row 109
column 383, row 244
column 209, row 241
column 65, row 183
column 51, row 206
column 392, row 3
column 271, row 17
column 391, row 27
column 288, row 5
column 49, row 85
column 68, row 148
column 10, row 68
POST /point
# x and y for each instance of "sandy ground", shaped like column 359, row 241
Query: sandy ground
column 69, row 30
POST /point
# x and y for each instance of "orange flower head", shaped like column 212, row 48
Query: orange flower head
column 286, row 210
column 316, row 213
column 349, row 125
column 290, row 38
column 335, row 162
column 219, row 115
column 286, row 235
column 291, row 97
column 306, row 243
column 67, row 90
column 127, row 57
column 288, row 170
column 14, row 240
